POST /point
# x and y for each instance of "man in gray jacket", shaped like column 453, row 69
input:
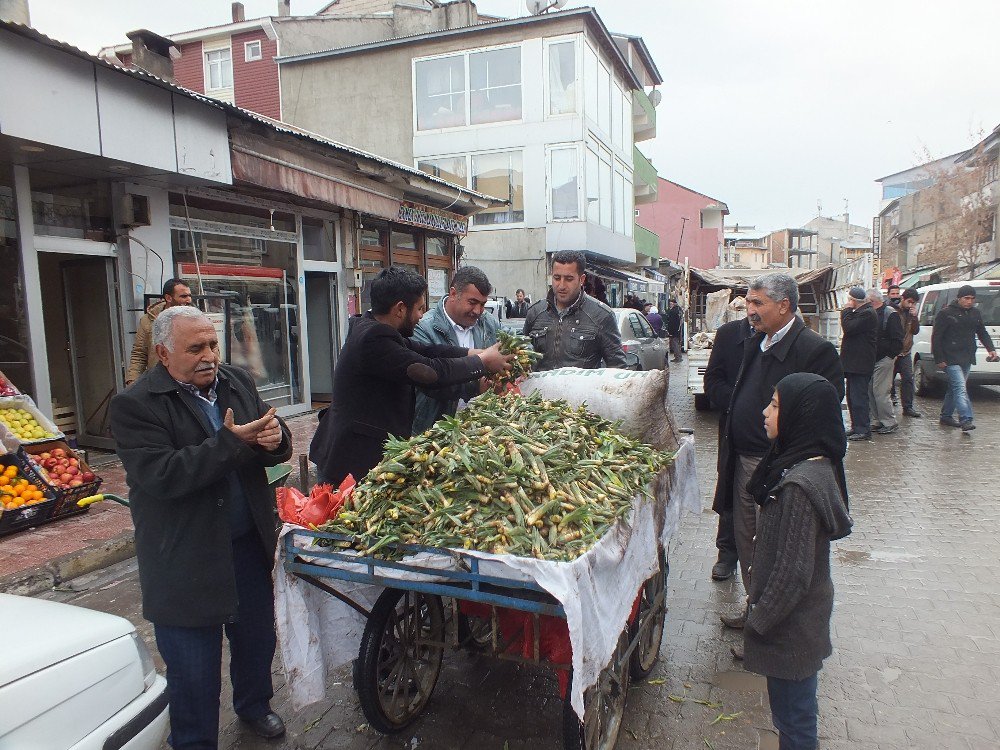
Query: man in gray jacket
column 570, row 328
column 457, row 320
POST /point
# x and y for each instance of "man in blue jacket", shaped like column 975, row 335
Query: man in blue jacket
column 457, row 320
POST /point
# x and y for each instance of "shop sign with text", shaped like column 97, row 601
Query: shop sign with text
column 429, row 218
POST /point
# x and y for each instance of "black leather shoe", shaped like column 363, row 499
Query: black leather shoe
column 967, row 425
column 860, row 436
column 912, row 413
column 722, row 571
column 886, row 430
column 268, row 726
column 737, row 652
column 950, row 422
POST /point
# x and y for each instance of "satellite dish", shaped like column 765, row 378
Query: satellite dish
column 655, row 97
column 536, row 7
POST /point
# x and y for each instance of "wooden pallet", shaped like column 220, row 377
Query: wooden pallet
column 64, row 418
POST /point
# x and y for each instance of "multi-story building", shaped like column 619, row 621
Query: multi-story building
column 947, row 226
column 833, row 234
column 792, row 248
column 543, row 111
column 745, row 247
column 687, row 223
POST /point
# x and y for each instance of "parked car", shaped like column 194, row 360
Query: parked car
column 928, row 380
column 75, row 678
column 638, row 338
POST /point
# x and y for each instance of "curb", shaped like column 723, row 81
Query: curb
column 46, row 577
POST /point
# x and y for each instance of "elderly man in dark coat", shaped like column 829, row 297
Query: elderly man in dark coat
column 780, row 346
column 859, row 324
column 195, row 438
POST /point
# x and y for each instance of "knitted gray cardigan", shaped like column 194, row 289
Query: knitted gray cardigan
column 787, row 632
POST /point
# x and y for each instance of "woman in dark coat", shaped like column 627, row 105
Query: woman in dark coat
column 802, row 493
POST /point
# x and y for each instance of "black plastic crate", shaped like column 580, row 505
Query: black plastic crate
column 65, row 497
column 26, row 516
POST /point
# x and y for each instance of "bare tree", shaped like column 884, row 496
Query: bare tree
column 957, row 213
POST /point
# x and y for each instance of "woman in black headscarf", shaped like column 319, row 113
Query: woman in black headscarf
column 802, row 493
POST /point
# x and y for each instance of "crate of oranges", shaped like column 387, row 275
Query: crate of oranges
column 23, row 503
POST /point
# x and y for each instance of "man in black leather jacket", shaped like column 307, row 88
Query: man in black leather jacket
column 569, row 327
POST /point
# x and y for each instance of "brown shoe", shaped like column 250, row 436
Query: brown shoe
column 737, row 652
column 736, row 622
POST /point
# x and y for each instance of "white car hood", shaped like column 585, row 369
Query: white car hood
column 39, row 633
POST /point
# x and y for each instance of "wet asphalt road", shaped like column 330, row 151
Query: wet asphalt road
column 916, row 659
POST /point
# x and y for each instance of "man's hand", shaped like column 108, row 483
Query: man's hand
column 942, row 365
column 249, row 432
column 270, row 437
column 494, row 361
column 993, row 357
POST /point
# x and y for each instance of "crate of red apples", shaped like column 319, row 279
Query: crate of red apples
column 58, row 466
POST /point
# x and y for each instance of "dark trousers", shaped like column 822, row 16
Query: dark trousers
column 794, row 712
column 857, row 402
column 676, row 350
column 725, row 539
column 904, row 368
column 194, row 656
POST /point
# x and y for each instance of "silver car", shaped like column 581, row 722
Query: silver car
column 639, row 338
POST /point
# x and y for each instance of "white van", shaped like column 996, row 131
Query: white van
column 928, row 380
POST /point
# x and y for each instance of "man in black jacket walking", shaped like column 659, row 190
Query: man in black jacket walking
column 780, row 345
column 720, row 376
column 953, row 344
column 857, row 355
column 376, row 372
column 674, row 325
column 888, row 345
column 195, row 438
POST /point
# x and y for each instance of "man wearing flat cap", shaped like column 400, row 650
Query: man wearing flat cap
column 953, row 345
column 859, row 324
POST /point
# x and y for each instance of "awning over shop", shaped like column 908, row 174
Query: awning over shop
column 606, row 271
column 921, row 276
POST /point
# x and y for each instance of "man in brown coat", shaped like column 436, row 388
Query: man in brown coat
column 143, row 357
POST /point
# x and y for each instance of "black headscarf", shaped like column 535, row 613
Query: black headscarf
column 810, row 425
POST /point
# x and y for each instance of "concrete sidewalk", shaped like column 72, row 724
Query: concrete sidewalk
column 41, row 558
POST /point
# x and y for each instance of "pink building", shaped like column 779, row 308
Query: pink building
column 700, row 217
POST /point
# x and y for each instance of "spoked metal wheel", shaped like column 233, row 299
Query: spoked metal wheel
column 475, row 633
column 604, row 705
column 400, row 658
column 649, row 623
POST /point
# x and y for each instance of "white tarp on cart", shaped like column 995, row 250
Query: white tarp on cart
column 317, row 632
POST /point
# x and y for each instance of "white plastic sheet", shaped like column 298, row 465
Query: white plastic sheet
column 317, row 632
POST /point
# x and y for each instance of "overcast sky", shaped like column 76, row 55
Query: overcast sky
column 768, row 105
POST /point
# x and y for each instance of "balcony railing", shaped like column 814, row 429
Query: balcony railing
column 643, row 116
column 647, row 243
column 645, row 179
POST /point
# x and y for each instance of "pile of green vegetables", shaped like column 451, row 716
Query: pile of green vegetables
column 508, row 474
column 525, row 358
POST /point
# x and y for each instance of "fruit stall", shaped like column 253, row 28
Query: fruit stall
column 41, row 475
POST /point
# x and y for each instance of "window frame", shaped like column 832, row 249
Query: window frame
column 510, row 225
column 465, row 55
column 577, row 71
column 207, row 63
column 247, row 57
column 549, row 207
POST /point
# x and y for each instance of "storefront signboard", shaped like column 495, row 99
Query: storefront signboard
column 437, row 282
column 431, row 218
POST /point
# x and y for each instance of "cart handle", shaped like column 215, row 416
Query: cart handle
column 86, row 501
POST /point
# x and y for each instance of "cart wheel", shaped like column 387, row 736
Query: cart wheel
column 647, row 649
column 604, row 705
column 475, row 633
column 400, row 658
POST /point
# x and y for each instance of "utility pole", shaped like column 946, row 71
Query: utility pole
column 684, row 221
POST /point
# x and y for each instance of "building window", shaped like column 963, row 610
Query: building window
column 500, row 175
column 590, row 66
column 564, row 201
column 617, row 131
column 252, row 51
column 605, row 185
column 604, row 98
column 593, row 187
column 451, row 168
column 629, row 207
column 619, row 202
column 495, row 82
column 219, row 69
column 562, row 78
column 441, row 92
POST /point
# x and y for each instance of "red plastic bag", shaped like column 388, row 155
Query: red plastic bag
column 322, row 504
